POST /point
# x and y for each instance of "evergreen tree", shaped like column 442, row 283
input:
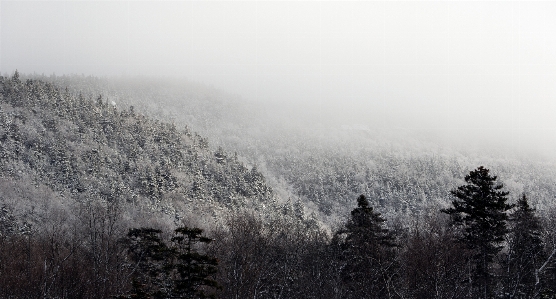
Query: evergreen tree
column 526, row 251
column 194, row 270
column 176, row 271
column 151, row 257
column 366, row 250
column 480, row 209
column 15, row 77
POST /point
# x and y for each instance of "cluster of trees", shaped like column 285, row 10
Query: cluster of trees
column 323, row 165
column 170, row 271
column 92, row 151
column 98, row 202
column 482, row 246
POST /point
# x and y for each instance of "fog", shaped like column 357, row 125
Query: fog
column 474, row 70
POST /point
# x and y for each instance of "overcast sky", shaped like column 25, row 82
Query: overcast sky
column 484, row 68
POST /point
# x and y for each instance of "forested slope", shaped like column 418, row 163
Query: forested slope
column 77, row 173
column 87, row 149
column 90, row 193
column 327, row 163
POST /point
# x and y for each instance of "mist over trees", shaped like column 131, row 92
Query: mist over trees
column 324, row 164
column 369, row 149
column 100, row 199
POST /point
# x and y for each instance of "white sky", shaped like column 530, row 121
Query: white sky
column 476, row 68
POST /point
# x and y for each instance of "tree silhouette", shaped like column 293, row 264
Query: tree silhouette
column 366, row 249
column 526, row 251
column 193, row 269
column 480, row 209
column 176, row 271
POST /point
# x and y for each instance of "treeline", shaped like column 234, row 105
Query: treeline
column 482, row 246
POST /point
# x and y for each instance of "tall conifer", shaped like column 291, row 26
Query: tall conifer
column 480, row 209
column 526, row 251
column 366, row 249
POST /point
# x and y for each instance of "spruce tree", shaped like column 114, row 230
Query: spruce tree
column 179, row 270
column 194, row 270
column 526, row 251
column 366, row 251
column 152, row 258
column 480, row 209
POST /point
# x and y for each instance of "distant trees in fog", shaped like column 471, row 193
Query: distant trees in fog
column 97, row 202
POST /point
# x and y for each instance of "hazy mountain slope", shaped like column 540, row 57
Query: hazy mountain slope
column 76, row 173
column 89, row 150
column 327, row 164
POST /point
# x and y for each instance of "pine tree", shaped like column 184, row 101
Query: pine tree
column 366, row 249
column 480, row 209
column 15, row 77
column 526, row 251
column 151, row 257
column 176, row 271
column 193, row 269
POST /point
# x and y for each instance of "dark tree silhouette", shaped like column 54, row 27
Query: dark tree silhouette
column 152, row 259
column 480, row 209
column 176, row 271
column 366, row 249
column 194, row 270
column 526, row 251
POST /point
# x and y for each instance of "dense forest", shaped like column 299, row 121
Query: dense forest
column 325, row 163
column 102, row 199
